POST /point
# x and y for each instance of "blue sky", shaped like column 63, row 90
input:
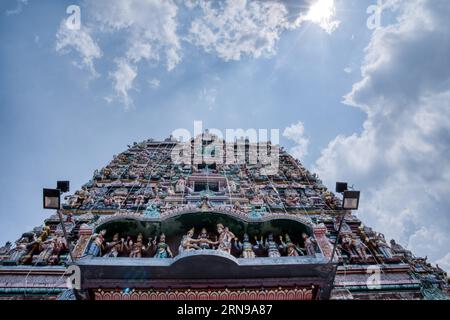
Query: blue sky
column 69, row 100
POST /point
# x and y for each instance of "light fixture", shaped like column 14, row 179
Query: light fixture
column 63, row 186
column 341, row 187
column 350, row 200
column 51, row 198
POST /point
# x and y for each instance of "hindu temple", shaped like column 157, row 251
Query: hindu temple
column 146, row 227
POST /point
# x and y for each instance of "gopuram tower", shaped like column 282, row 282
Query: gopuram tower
column 149, row 227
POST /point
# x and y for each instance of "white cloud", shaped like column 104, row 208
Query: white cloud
column 400, row 159
column 80, row 41
column 237, row 28
column 296, row 133
column 151, row 30
column 123, row 79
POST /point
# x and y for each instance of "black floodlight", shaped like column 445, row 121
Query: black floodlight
column 51, row 199
column 350, row 200
column 341, row 187
column 63, row 186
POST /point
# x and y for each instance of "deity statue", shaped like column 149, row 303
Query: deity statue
column 20, row 250
column 162, row 248
column 137, row 248
column 310, row 245
column 289, row 247
column 188, row 243
column 60, row 245
column 96, row 244
column 205, row 203
column 271, row 247
column 245, row 248
column 5, row 249
column 382, row 246
column 115, row 247
column 225, row 237
column 47, row 248
column 360, row 248
column 204, row 242
column 398, row 249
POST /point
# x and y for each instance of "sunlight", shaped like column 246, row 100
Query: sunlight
column 321, row 12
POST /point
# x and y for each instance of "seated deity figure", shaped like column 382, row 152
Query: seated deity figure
column 162, row 248
column 245, row 248
column 188, row 243
column 225, row 237
column 289, row 247
column 271, row 247
column 115, row 247
column 204, row 242
column 137, row 248
column 96, row 244
column 310, row 245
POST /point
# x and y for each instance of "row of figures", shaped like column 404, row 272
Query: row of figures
column 226, row 242
column 36, row 248
column 134, row 249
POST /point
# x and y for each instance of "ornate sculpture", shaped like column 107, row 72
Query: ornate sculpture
column 245, row 248
column 225, row 237
column 188, row 243
column 48, row 248
column 17, row 254
column 310, row 245
column 204, row 243
column 115, row 247
column 382, row 246
column 271, row 247
column 398, row 249
column 136, row 249
column 162, row 248
column 96, row 244
column 289, row 247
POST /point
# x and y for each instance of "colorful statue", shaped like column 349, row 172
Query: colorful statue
column 398, row 249
column 271, row 247
column 245, row 248
column 96, row 244
column 289, row 247
column 204, row 242
column 188, row 243
column 382, row 246
column 115, row 247
column 225, row 237
column 162, row 248
column 136, row 249
column 48, row 248
column 17, row 254
column 181, row 185
column 310, row 245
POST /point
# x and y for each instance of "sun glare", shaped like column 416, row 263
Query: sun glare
column 320, row 10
